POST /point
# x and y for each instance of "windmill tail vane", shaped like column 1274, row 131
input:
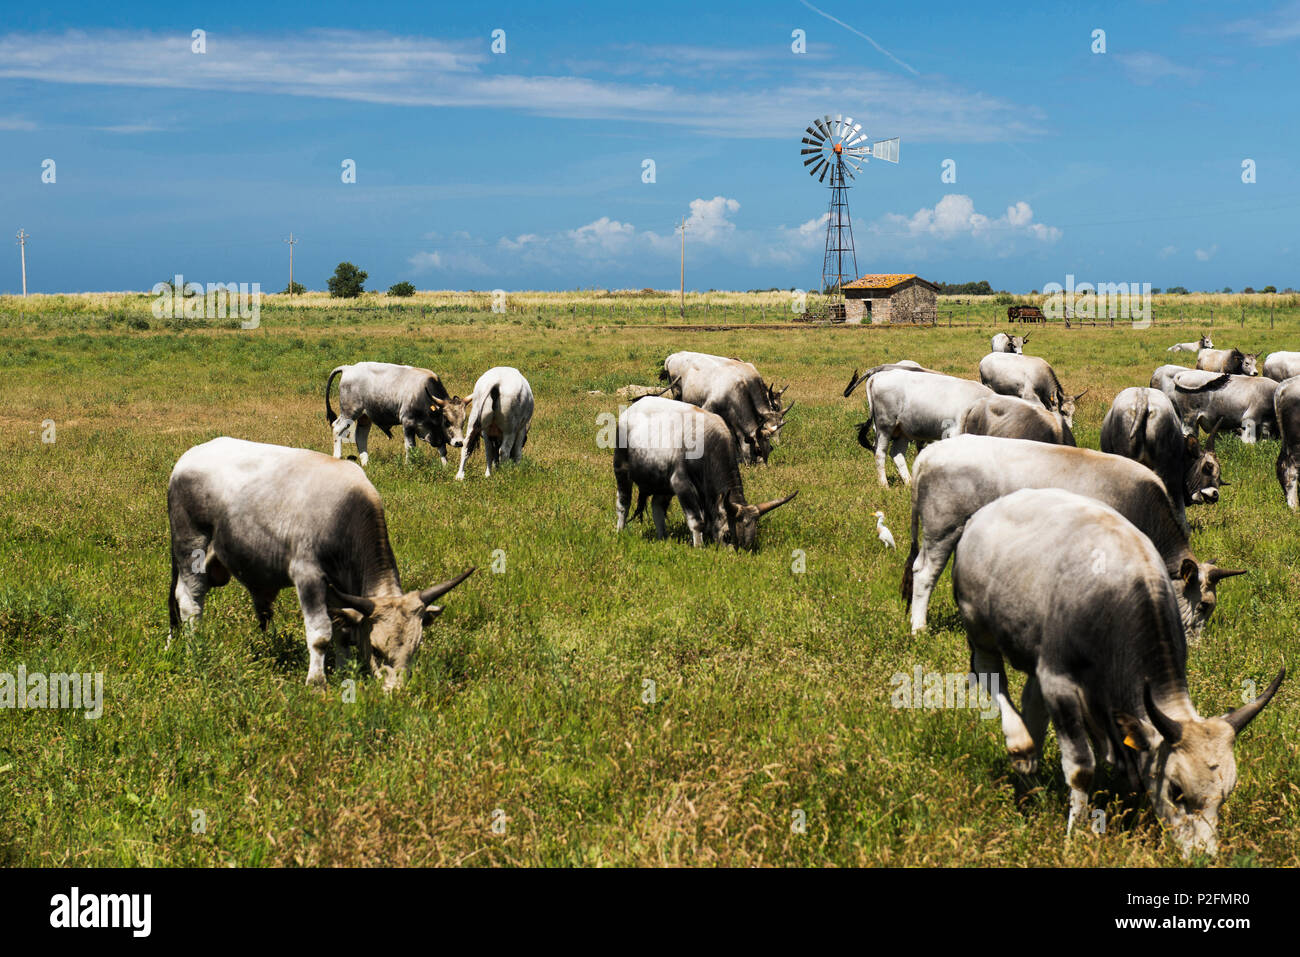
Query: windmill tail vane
column 838, row 147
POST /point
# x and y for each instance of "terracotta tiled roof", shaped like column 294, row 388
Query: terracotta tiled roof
column 886, row 280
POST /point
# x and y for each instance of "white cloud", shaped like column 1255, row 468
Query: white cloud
column 1144, row 67
column 377, row 67
column 423, row 262
column 1168, row 251
column 1205, row 255
column 16, row 123
column 954, row 217
column 1279, row 26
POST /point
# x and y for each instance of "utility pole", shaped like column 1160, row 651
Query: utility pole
column 292, row 242
column 683, row 228
column 22, row 244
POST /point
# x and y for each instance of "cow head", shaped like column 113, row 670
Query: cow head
column 1288, row 476
column 1190, row 769
column 454, row 412
column 1250, row 363
column 741, row 528
column 1206, row 342
column 389, row 628
column 1067, row 405
column 1196, row 590
column 1202, row 476
column 1018, row 344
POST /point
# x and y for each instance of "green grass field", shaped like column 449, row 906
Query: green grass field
column 527, row 703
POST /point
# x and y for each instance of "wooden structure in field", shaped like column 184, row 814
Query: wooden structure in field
column 891, row 298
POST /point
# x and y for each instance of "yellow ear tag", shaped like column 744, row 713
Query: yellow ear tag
column 1128, row 740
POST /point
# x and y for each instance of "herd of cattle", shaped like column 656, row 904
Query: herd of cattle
column 998, row 485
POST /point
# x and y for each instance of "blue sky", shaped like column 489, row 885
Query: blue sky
column 524, row 169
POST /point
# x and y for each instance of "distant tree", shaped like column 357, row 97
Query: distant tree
column 1248, row 290
column 295, row 289
column 1269, row 289
column 981, row 288
column 346, row 283
column 1155, row 291
column 1227, row 289
column 1176, row 291
column 401, row 289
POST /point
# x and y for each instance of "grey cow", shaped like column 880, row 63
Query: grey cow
column 275, row 518
column 1028, row 377
column 1203, row 343
column 1004, row 342
column 1070, row 592
column 915, row 405
column 388, row 395
column 1015, row 418
column 1143, row 425
column 957, row 478
column 733, row 389
column 1232, row 361
column 500, row 413
column 1282, row 365
column 1236, row 403
column 1286, row 406
column 668, row 448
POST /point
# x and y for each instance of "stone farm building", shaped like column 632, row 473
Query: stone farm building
column 890, row 297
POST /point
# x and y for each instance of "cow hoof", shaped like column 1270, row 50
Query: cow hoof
column 317, row 682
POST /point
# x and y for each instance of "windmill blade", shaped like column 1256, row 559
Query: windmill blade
column 857, row 151
column 839, row 126
column 814, row 159
column 817, row 150
column 812, row 132
column 855, row 137
column 812, row 170
column 822, row 178
column 826, row 134
column 846, row 170
column 886, row 150
column 820, row 143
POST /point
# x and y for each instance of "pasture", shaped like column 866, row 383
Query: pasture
column 530, row 703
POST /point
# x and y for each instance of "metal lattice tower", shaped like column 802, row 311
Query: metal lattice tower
column 839, row 147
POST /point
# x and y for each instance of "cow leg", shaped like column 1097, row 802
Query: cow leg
column 1020, row 743
column 1034, row 712
column 442, row 453
column 408, row 441
column 263, row 603
column 898, row 449
column 507, row 447
column 189, row 590
column 363, row 437
column 1289, row 476
column 471, row 437
column 492, row 452
column 659, row 509
column 693, row 509
column 1077, row 761
column 1248, row 431
column 930, row 560
column 882, row 443
column 316, row 618
column 517, row 452
column 622, row 498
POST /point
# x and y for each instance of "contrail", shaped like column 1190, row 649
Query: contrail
column 823, row 13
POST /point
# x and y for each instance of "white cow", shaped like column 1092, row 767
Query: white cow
column 501, row 410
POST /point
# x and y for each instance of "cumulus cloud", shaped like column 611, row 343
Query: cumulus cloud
column 1205, row 255
column 955, row 216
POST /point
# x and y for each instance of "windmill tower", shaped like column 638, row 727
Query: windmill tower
column 839, row 147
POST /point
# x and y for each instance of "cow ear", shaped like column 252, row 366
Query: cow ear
column 347, row 616
column 1189, row 572
column 1131, row 728
column 430, row 613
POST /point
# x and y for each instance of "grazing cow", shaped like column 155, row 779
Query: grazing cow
column 957, row 478
column 1238, row 403
column 1286, row 406
column 1162, row 380
column 1014, row 418
column 1003, row 342
column 734, row 390
column 1028, row 377
column 274, row 518
column 666, row 448
column 1232, row 361
column 1143, row 425
column 1071, row 593
column 386, row 395
column 906, row 365
column 501, row 410
column 908, row 405
column 1282, row 365
column 1203, row 343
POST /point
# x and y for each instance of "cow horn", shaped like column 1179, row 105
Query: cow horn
column 1169, row 729
column 787, row 389
column 429, row 594
column 1246, row 713
column 355, row 602
column 853, row 384
column 436, row 402
column 775, row 503
column 1209, row 439
column 1218, row 574
column 786, row 410
column 1024, row 338
column 1079, row 396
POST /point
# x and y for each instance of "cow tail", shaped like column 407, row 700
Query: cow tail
column 329, row 413
column 641, row 498
column 1137, row 433
column 173, row 606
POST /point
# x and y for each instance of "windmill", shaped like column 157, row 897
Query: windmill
column 839, row 147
